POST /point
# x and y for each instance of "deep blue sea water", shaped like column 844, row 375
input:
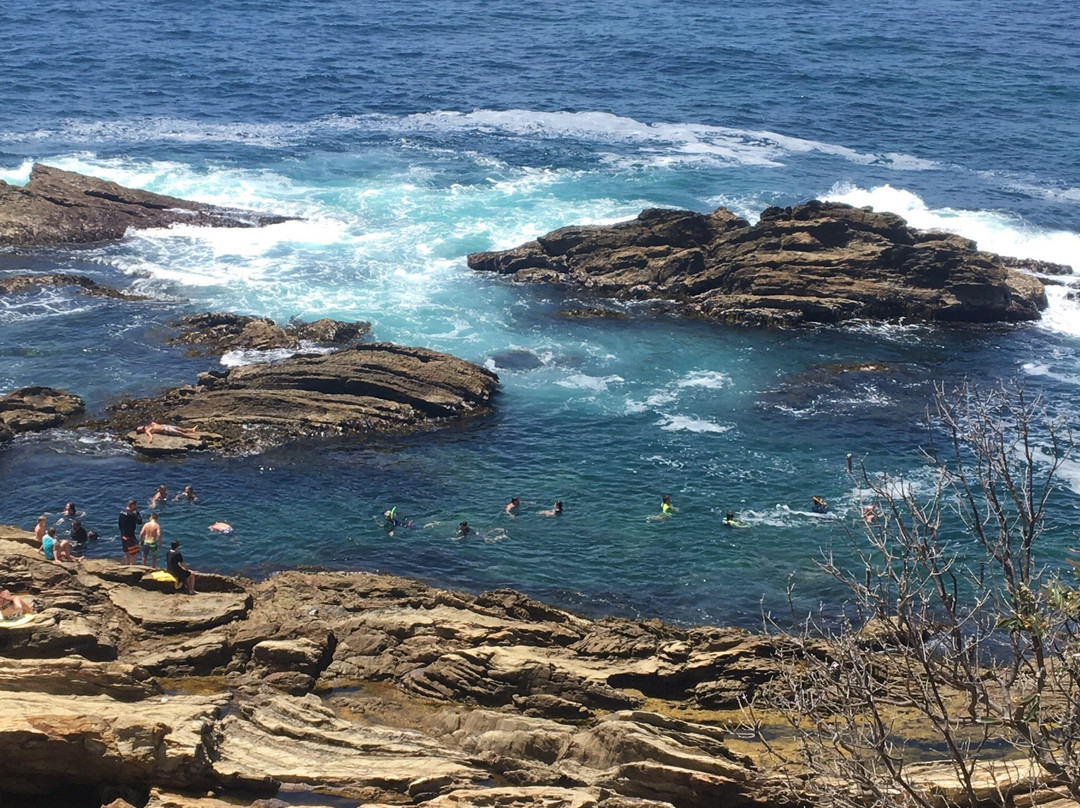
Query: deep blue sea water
column 407, row 135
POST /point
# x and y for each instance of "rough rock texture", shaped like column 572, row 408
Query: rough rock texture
column 62, row 207
column 218, row 332
column 32, row 409
column 375, row 387
column 17, row 284
column 373, row 688
column 814, row 263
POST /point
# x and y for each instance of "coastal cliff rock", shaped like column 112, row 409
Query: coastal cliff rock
column 814, row 263
column 376, row 387
column 219, row 332
column 342, row 685
column 32, row 409
column 63, row 207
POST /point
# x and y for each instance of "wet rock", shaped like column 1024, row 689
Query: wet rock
column 219, row 332
column 18, row 284
column 32, row 409
column 369, row 388
column 814, row 263
column 516, row 359
column 62, row 207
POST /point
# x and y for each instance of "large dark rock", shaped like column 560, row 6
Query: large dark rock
column 32, row 409
column 62, row 207
column 218, row 332
column 814, row 263
column 375, row 387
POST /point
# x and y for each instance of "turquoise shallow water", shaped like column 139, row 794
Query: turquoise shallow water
column 406, row 138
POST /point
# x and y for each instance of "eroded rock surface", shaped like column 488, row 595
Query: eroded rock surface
column 218, row 332
column 813, row 263
column 372, row 688
column 376, row 387
column 62, row 207
column 32, row 409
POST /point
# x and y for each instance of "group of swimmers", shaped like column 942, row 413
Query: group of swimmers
column 136, row 536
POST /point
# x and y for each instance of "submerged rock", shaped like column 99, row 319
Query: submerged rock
column 62, row 207
column 814, row 263
column 375, row 387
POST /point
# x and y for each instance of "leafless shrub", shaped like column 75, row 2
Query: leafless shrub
column 970, row 656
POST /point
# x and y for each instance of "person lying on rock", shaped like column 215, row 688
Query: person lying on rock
column 12, row 606
column 154, row 428
column 174, row 560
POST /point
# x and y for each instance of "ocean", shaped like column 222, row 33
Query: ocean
column 405, row 136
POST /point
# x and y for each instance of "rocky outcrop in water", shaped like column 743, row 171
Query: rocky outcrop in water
column 62, row 207
column 813, row 263
column 19, row 284
column 370, row 388
column 375, row 688
column 32, row 409
column 219, row 332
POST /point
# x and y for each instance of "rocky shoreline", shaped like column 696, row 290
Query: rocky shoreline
column 356, row 686
column 330, row 689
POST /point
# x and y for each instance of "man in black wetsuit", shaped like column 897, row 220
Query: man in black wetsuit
column 174, row 562
column 129, row 522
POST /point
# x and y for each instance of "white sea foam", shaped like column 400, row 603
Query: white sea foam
column 658, row 143
column 236, row 358
column 1002, row 233
column 674, row 423
column 710, row 379
column 582, row 381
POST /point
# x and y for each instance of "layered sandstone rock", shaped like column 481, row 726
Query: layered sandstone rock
column 32, row 409
column 345, row 685
column 369, row 388
column 219, row 332
column 813, row 263
column 62, row 207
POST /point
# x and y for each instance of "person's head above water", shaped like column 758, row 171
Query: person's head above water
column 730, row 516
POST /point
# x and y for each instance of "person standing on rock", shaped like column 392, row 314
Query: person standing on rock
column 174, row 560
column 150, row 538
column 129, row 522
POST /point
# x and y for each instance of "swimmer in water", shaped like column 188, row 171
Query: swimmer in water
column 869, row 514
column 187, row 494
column 818, row 505
column 160, row 497
column 555, row 511
column 729, row 519
column 463, row 530
column 222, row 527
column 512, row 505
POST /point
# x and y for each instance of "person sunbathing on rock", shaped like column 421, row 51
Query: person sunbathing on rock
column 12, row 606
column 154, row 428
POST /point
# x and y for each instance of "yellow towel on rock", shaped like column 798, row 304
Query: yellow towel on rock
column 166, row 577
